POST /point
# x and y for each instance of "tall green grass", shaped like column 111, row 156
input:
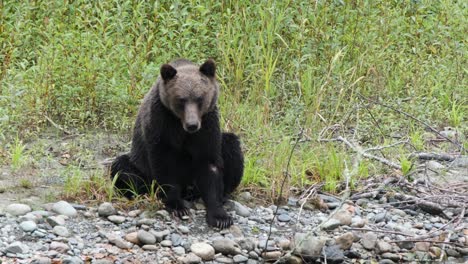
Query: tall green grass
column 282, row 64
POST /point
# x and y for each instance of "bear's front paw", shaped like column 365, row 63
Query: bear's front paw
column 219, row 218
column 177, row 209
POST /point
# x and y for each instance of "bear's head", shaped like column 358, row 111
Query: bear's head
column 189, row 91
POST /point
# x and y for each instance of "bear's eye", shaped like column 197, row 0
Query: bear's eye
column 181, row 102
column 199, row 101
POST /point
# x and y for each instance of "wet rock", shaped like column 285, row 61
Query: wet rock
column 64, row 208
column 203, row 250
column 18, row 209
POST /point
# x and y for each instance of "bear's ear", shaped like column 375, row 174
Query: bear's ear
column 208, row 68
column 168, row 72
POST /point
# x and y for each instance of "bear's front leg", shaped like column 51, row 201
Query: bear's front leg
column 174, row 203
column 210, row 182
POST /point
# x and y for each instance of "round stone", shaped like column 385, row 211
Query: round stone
column 28, row 226
column 106, row 209
column 203, row 250
column 116, row 219
column 64, row 208
column 284, row 218
column 61, row 231
column 166, row 243
column 18, row 209
column 146, row 238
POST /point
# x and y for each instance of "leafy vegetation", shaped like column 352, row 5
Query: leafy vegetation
column 283, row 65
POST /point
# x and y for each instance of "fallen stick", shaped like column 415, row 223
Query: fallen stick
column 433, row 156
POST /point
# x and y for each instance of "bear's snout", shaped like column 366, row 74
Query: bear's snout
column 191, row 118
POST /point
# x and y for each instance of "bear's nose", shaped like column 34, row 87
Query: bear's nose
column 192, row 128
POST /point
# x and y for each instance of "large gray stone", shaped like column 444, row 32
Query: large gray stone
column 18, row 209
column 64, row 208
column 203, row 250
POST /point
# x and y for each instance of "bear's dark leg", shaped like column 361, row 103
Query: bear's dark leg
column 172, row 180
column 233, row 162
column 130, row 181
column 209, row 181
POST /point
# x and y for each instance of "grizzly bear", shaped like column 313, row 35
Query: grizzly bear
column 177, row 142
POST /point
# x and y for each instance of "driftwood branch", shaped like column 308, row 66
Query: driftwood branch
column 433, row 156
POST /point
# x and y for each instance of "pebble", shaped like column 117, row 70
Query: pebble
column 241, row 210
column 226, row 246
column 422, row 246
column 59, row 247
column 150, row 247
column 72, row 260
column 106, row 209
column 179, row 251
column 64, row 208
column 189, row 259
column 18, row 209
column 55, row 220
column 118, row 242
column 272, row 255
column 146, row 238
column 333, row 254
column 345, row 241
column 369, row 240
column 166, row 243
column 203, row 250
column 383, row 247
column 17, row 248
column 184, row 229
column 284, row 218
column 309, row 245
column 28, row 226
column 240, row 259
column 132, row 237
column 176, row 239
column 116, row 219
column 344, row 217
column 331, row 224
column 61, row 231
